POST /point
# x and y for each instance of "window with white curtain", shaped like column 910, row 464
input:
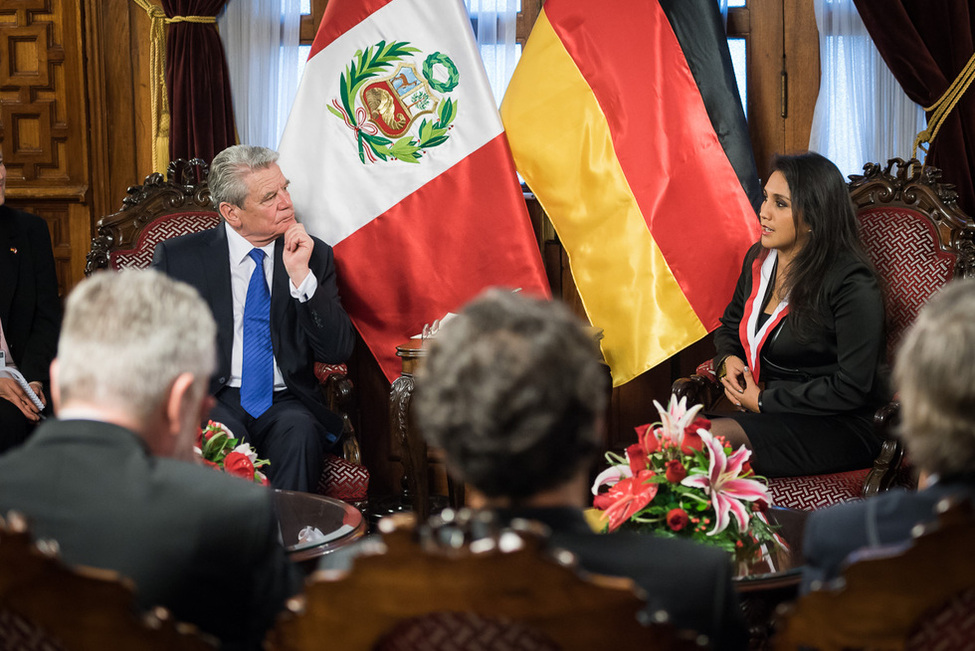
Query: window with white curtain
column 862, row 114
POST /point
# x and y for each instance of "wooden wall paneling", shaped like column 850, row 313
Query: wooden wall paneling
column 766, row 125
column 43, row 123
column 802, row 53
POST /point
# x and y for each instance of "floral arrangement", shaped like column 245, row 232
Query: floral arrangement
column 680, row 481
column 219, row 449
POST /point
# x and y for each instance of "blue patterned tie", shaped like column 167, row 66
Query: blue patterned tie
column 257, row 372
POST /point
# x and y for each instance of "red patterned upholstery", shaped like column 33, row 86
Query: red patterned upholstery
column 902, row 244
column 816, row 491
column 164, row 228
column 947, row 628
column 343, row 480
column 449, row 631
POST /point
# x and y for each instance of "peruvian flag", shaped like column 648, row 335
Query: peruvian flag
column 398, row 159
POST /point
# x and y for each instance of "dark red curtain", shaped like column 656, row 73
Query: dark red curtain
column 197, row 82
column 926, row 43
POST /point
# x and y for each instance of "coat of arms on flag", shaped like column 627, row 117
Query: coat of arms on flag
column 404, row 83
column 389, row 106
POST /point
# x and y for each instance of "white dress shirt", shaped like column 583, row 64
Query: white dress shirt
column 241, row 268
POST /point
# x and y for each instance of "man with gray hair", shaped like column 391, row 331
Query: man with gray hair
column 514, row 392
column 935, row 378
column 271, row 288
column 113, row 479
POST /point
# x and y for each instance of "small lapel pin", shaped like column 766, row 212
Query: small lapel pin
column 13, row 250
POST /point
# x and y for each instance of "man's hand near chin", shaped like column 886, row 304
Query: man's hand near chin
column 298, row 246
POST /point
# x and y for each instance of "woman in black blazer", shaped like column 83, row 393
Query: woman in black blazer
column 800, row 349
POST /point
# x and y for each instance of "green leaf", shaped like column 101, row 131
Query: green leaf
column 405, row 150
column 435, row 141
column 334, row 111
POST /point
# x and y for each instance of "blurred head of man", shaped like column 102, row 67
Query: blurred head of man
column 251, row 193
column 936, row 380
column 514, row 392
column 137, row 349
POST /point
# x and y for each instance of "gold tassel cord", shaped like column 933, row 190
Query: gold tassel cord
column 945, row 104
column 158, row 100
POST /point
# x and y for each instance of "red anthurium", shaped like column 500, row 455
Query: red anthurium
column 239, row 465
column 629, row 496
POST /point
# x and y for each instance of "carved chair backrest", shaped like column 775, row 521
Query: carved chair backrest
column 159, row 209
column 45, row 604
column 915, row 234
column 897, row 597
column 420, row 583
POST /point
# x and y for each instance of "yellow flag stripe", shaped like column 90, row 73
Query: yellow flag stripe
column 567, row 158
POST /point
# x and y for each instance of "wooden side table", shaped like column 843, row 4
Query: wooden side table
column 415, row 456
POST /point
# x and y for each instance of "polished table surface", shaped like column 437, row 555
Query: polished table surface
column 338, row 522
column 781, row 567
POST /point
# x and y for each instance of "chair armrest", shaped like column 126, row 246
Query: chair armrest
column 891, row 467
column 338, row 391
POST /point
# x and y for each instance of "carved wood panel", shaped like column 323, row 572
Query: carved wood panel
column 43, row 122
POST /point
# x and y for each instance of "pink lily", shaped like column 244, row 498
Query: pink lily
column 726, row 488
column 611, row 476
column 676, row 418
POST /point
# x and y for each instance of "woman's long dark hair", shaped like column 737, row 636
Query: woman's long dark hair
column 821, row 199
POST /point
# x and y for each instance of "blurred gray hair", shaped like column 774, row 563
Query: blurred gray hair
column 127, row 336
column 230, row 168
column 511, row 390
column 936, row 379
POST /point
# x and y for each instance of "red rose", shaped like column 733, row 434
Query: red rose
column 239, row 465
column 637, row 457
column 647, row 439
column 692, row 441
column 746, row 469
column 677, row 519
column 675, row 471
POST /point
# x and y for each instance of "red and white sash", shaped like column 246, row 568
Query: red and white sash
column 753, row 338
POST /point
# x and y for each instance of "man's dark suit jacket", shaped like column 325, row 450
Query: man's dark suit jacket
column 318, row 330
column 201, row 543
column 832, row 534
column 29, row 305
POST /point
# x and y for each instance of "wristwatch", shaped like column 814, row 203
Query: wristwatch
column 722, row 369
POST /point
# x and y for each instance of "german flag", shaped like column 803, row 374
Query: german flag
column 624, row 119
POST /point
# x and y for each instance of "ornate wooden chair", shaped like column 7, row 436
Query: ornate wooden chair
column 443, row 585
column 177, row 204
column 918, row 240
column 46, row 605
column 915, row 596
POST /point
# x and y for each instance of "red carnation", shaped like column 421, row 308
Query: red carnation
column 677, row 519
column 675, row 471
column 239, row 465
